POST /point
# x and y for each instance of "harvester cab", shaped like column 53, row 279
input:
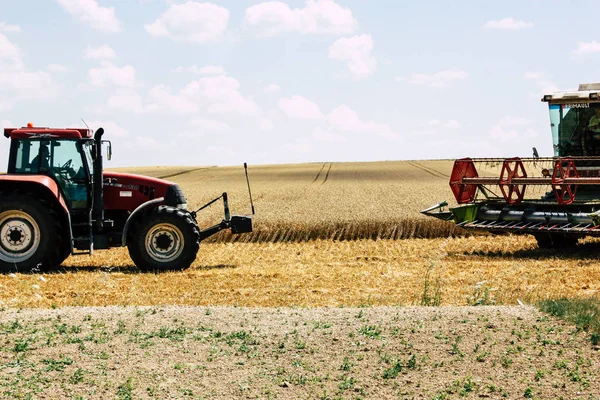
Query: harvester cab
column 556, row 199
column 57, row 200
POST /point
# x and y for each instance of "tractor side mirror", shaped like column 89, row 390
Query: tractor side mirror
column 108, row 149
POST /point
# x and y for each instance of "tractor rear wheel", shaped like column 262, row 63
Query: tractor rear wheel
column 555, row 240
column 167, row 239
column 27, row 237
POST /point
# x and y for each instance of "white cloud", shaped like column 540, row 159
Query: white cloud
column 356, row 50
column 10, row 55
column 272, row 88
column 317, row 16
column 220, row 94
column 89, row 12
column 325, row 135
column 126, row 100
column 16, row 83
column 512, row 128
column 28, row 85
column 343, row 118
column 440, row 79
column 208, row 70
column 298, row 146
column 192, row 22
column 112, row 129
column 300, row 108
column 508, row 24
column 144, row 142
column 4, row 27
column 265, row 124
column 108, row 74
column 222, row 151
column 449, row 124
column 5, row 104
column 99, row 53
column 161, row 98
column 5, row 123
column 543, row 83
column 584, row 48
column 210, row 125
column 58, row 68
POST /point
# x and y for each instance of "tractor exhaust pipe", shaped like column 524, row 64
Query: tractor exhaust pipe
column 98, row 210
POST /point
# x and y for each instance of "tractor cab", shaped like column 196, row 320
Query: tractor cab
column 67, row 160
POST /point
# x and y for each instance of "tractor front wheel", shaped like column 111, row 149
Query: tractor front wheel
column 167, row 239
column 27, row 234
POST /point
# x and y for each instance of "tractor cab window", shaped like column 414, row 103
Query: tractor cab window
column 27, row 156
column 575, row 129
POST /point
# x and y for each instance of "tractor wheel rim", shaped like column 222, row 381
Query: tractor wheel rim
column 164, row 243
column 19, row 236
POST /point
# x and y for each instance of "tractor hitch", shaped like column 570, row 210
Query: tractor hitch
column 237, row 223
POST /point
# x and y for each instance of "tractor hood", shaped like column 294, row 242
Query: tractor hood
column 124, row 191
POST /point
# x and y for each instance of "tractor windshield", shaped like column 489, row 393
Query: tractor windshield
column 575, row 129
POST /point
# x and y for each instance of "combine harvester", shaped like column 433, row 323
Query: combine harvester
column 556, row 199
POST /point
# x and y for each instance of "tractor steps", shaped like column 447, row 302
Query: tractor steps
column 532, row 227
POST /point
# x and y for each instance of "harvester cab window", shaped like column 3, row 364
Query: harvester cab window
column 575, row 129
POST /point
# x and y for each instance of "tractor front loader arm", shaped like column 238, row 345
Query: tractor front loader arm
column 237, row 223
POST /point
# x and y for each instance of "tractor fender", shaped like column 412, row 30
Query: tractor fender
column 43, row 188
column 36, row 183
column 135, row 213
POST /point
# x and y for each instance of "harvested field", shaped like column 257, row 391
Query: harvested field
column 459, row 271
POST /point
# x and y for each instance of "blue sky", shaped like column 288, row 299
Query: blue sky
column 223, row 82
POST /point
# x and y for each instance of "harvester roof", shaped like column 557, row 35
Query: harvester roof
column 587, row 92
column 31, row 132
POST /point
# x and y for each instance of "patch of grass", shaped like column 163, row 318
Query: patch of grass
column 584, row 313
column 370, row 331
column 432, row 291
column 125, row 390
column 393, row 371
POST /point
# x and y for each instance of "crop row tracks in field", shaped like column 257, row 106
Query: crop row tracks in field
column 187, row 171
column 325, row 166
column 429, row 170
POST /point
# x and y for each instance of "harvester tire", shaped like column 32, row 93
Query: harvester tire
column 27, row 234
column 166, row 239
column 555, row 241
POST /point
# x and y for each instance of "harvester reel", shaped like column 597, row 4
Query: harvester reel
column 463, row 192
column 564, row 168
column 512, row 168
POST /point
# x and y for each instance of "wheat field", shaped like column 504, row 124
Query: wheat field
column 326, row 235
column 339, row 201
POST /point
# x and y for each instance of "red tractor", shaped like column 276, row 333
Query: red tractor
column 56, row 200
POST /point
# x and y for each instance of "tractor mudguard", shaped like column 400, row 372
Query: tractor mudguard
column 34, row 183
column 135, row 213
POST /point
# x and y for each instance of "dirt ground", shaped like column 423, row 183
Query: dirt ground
column 290, row 353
